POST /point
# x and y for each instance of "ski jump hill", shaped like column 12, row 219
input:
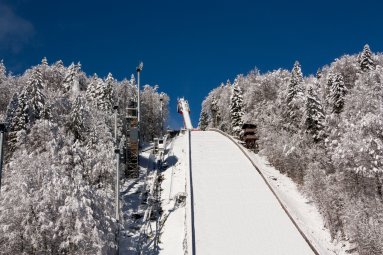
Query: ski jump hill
column 235, row 212
column 232, row 208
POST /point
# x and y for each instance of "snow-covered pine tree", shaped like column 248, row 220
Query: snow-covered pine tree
column 132, row 80
column 76, row 121
column 295, row 97
column 314, row 115
column 36, row 99
column 107, row 97
column 203, row 120
column 296, row 83
column 91, row 89
column 337, row 93
column 366, row 60
column 44, row 61
column 20, row 117
column 236, row 109
column 71, row 80
column 59, row 64
column 319, row 74
column 214, row 110
column 5, row 92
column 2, row 71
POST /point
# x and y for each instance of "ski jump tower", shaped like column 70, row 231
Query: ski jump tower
column 183, row 108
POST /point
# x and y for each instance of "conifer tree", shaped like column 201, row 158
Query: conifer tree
column 44, row 61
column 76, row 123
column 2, row 72
column 236, row 109
column 295, row 97
column 91, row 89
column 36, row 99
column 366, row 61
column 20, row 117
column 71, row 81
column 59, row 64
column 19, row 120
column 337, row 93
column 107, row 95
column 203, row 120
column 214, row 111
column 314, row 119
column 295, row 86
column 132, row 80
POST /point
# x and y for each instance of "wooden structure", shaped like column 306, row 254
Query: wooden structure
column 248, row 135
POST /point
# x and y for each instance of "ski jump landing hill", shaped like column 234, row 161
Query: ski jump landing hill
column 235, row 212
column 233, row 209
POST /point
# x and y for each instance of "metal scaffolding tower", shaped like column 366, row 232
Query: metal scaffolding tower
column 132, row 140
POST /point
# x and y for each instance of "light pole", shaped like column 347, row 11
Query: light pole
column 162, row 118
column 3, row 129
column 117, row 151
column 139, row 69
column 115, row 124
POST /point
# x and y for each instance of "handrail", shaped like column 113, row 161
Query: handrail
column 193, row 248
column 246, row 153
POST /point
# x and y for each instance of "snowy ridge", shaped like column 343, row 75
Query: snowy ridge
column 246, row 153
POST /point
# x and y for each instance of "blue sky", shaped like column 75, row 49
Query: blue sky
column 188, row 47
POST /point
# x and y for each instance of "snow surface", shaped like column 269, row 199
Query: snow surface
column 173, row 232
column 235, row 211
column 303, row 211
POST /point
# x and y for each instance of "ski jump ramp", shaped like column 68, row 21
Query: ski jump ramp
column 183, row 108
column 235, row 212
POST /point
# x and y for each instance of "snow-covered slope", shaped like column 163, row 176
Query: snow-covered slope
column 235, row 212
column 173, row 231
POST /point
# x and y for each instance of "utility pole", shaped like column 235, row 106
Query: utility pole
column 3, row 129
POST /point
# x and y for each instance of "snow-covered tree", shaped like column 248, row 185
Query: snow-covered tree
column 107, row 96
column 314, row 114
column 44, row 62
column 62, row 201
column 36, row 99
column 3, row 71
column 295, row 89
column 76, row 122
column 71, row 80
column 337, row 92
column 295, row 98
column 214, row 111
column 203, row 120
column 5, row 91
column 236, row 109
column 366, row 60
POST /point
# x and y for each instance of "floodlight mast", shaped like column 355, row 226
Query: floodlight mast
column 162, row 117
column 139, row 69
column 3, row 129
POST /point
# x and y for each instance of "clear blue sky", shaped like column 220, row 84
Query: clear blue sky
column 188, row 47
